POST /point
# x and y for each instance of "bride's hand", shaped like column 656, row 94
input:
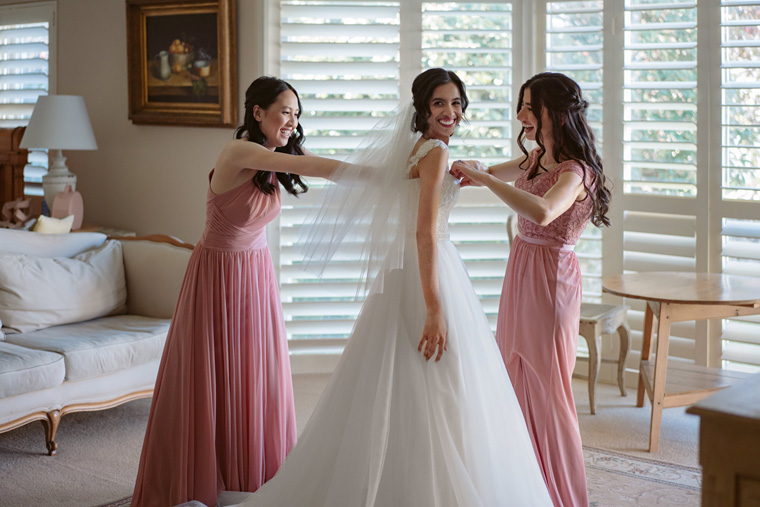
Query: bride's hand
column 469, row 172
column 433, row 335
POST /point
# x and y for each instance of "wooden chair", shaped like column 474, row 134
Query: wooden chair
column 597, row 320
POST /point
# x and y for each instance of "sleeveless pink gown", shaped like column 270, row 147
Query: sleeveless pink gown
column 222, row 416
column 537, row 332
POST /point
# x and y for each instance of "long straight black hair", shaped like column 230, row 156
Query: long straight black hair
column 573, row 137
column 263, row 92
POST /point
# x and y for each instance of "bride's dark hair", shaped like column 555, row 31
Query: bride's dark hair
column 263, row 92
column 422, row 90
column 573, row 137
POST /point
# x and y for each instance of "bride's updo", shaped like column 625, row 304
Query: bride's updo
column 422, row 90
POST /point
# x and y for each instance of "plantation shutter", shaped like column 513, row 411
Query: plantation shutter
column 475, row 40
column 343, row 58
column 26, row 72
column 739, row 200
column 665, row 212
column 574, row 47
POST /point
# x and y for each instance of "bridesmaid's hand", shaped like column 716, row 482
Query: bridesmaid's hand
column 433, row 335
column 466, row 171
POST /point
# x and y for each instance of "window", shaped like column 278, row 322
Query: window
column 27, row 71
column 660, row 185
column 475, row 41
column 574, row 44
column 681, row 144
column 740, row 169
column 343, row 58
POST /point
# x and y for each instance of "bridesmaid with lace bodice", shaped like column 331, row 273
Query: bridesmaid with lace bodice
column 558, row 189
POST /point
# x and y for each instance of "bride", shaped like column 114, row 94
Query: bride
column 404, row 421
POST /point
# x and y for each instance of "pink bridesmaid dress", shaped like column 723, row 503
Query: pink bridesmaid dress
column 537, row 332
column 222, row 416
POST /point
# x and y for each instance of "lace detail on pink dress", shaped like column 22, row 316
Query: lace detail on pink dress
column 567, row 227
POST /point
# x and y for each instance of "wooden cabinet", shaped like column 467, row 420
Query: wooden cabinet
column 729, row 445
column 12, row 162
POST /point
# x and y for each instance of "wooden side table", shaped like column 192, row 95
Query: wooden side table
column 676, row 297
column 729, row 445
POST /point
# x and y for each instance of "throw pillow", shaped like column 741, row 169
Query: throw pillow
column 49, row 225
column 39, row 292
column 48, row 245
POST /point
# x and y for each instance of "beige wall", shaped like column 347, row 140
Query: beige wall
column 148, row 179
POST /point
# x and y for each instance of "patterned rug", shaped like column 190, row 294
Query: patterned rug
column 616, row 479
column 619, row 480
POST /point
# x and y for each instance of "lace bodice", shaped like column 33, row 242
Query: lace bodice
column 569, row 226
column 449, row 193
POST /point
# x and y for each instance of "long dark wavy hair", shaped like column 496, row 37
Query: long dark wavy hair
column 422, row 90
column 573, row 137
column 263, row 92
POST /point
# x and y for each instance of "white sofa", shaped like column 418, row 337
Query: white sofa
column 94, row 364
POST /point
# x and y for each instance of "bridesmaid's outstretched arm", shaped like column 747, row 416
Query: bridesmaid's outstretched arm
column 506, row 171
column 540, row 210
column 244, row 156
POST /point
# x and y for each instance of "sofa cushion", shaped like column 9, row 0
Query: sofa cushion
column 39, row 292
column 100, row 346
column 24, row 370
column 154, row 274
column 48, row 245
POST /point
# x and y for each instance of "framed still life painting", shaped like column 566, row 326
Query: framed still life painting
column 182, row 62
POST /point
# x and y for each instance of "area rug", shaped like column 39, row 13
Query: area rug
column 619, row 480
column 616, row 479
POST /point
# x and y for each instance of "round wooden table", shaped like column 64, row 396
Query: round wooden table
column 676, row 297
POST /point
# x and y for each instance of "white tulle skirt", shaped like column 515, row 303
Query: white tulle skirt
column 394, row 430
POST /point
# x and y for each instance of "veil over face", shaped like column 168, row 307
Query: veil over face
column 360, row 214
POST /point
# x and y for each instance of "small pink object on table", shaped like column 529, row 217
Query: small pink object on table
column 68, row 203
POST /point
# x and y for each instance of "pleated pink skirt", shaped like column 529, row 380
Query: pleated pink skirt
column 537, row 332
column 222, row 416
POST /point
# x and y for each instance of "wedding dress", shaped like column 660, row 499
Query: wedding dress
column 394, row 430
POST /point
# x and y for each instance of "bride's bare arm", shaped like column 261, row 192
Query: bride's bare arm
column 239, row 159
column 432, row 169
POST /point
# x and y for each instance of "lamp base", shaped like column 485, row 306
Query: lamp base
column 52, row 184
column 57, row 178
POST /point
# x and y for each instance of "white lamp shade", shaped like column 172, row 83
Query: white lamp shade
column 59, row 122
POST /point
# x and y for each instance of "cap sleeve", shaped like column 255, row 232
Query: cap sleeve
column 571, row 166
column 424, row 149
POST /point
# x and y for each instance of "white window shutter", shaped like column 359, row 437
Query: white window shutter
column 740, row 170
column 343, row 58
column 660, row 186
column 26, row 68
column 475, row 40
column 574, row 44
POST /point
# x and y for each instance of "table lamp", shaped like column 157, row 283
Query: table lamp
column 59, row 122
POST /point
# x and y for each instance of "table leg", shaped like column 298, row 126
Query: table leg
column 646, row 352
column 660, row 371
column 594, row 362
column 623, row 331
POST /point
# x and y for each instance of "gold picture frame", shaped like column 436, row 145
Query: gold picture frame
column 182, row 62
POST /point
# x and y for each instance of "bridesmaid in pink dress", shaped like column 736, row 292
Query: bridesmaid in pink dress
column 222, row 416
column 558, row 188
